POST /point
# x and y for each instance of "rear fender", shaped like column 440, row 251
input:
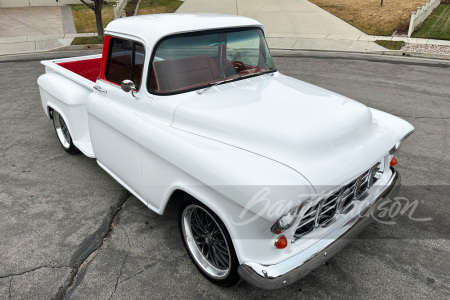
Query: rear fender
column 68, row 98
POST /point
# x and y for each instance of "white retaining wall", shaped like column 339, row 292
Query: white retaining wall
column 24, row 3
column 422, row 13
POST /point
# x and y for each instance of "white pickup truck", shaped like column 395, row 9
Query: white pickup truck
column 273, row 175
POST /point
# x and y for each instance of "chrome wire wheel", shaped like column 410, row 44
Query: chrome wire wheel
column 206, row 242
column 61, row 130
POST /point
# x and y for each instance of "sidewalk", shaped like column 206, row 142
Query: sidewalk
column 33, row 29
column 299, row 24
column 291, row 24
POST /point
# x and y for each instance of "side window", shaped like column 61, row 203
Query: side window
column 126, row 61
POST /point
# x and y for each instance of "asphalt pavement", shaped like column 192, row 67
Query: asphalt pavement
column 68, row 230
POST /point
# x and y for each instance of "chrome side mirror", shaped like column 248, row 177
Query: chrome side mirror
column 128, row 86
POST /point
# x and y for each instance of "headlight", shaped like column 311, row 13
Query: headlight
column 399, row 143
column 285, row 221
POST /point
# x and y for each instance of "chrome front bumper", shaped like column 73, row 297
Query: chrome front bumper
column 276, row 276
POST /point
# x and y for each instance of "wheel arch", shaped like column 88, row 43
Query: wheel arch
column 50, row 112
column 175, row 198
column 207, row 196
column 223, row 207
column 51, row 107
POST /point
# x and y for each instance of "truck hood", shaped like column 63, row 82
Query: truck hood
column 326, row 137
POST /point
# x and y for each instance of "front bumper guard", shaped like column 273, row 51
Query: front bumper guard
column 260, row 276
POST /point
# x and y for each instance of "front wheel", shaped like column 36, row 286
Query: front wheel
column 208, row 243
column 62, row 131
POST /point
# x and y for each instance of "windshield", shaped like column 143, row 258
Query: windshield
column 188, row 62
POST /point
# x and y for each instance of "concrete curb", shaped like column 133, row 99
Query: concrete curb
column 411, row 40
column 385, row 53
column 49, row 55
column 55, row 50
column 414, row 54
column 34, row 38
column 36, row 44
column 78, row 47
column 279, row 50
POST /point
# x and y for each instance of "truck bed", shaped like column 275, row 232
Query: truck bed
column 88, row 68
column 83, row 69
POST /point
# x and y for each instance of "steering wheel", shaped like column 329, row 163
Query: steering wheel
column 239, row 66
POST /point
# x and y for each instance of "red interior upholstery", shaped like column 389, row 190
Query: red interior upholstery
column 176, row 74
column 88, row 68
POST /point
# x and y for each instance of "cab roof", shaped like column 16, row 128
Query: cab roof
column 151, row 28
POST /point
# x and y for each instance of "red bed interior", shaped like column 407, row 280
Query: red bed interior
column 88, row 68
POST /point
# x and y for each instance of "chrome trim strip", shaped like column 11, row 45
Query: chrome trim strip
column 407, row 135
column 339, row 201
column 369, row 183
column 318, row 213
column 357, row 185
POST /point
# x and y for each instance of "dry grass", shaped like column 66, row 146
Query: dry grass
column 159, row 6
column 369, row 16
column 84, row 17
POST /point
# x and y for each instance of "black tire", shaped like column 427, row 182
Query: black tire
column 63, row 134
column 230, row 276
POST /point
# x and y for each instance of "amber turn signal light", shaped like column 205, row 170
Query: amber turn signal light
column 281, row 242
column 393, row 161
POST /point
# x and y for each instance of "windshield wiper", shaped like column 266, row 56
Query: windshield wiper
column 210, row 85
column 257, row 74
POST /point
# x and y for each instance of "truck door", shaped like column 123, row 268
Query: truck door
column 115, row 117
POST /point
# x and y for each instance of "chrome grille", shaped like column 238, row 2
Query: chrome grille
column 338, row 202
column 328, row 208
column 307, row 223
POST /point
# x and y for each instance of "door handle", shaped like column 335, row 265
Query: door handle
column 99, row 88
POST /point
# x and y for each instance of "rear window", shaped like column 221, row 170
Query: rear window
column 126, row 61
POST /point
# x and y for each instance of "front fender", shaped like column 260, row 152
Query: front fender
column 172, row 157
column 397, row 127
column 247, row 191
